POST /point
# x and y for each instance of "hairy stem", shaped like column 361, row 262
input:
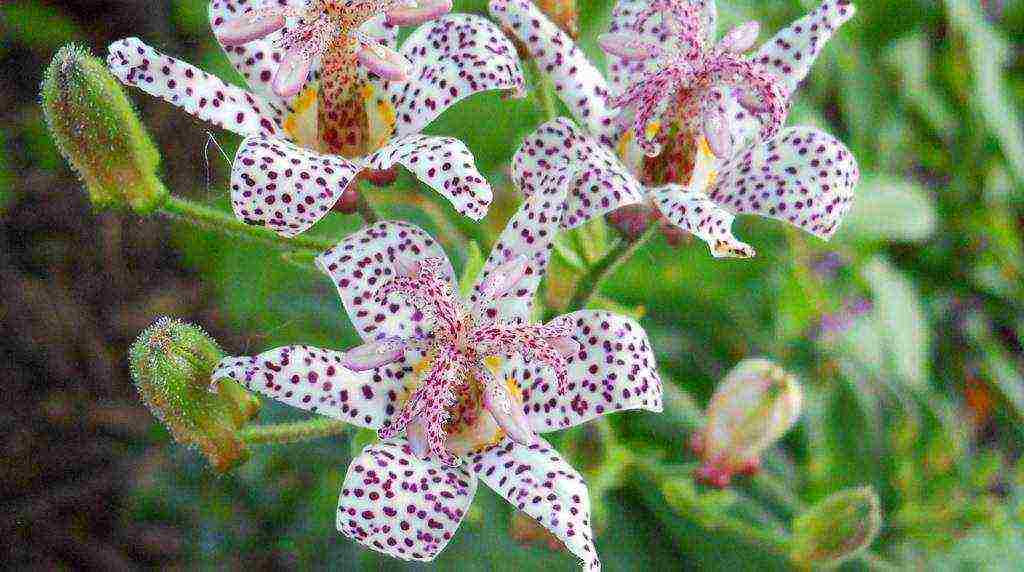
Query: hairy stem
column 292, row 432
column 590, row 284
column 774, row 541
column 210, row 218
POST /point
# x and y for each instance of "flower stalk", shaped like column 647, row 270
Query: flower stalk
column 297, row 432
column 591, row 282
column 209, row 218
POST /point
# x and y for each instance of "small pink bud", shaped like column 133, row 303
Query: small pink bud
column 508, row 414
column 416, row 432
column 292, row 74
column 373, row 355
column 628, row 47
column 250, row 26
column 717, row 131
column 406, row 268
column 385, row 62
column 504, row 278
column 424, row 11
column 751, row 101
column 566, row 346
column 741, row 38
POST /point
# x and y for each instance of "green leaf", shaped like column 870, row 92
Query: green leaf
column 903, row 323
column 988, row 52
column 891, row 209
column 474, row 265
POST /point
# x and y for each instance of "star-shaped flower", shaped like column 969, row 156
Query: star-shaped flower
column 327, row 101
column 471, row 382
column 711, row 115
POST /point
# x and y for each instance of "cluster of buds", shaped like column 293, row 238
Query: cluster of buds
column 98, row 132
column 172, row 363
column 754, row 407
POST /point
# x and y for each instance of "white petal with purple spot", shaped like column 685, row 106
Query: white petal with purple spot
column 198, row 93
column 285, row 187
column 314, row 379
column 802, row 176
column 598, row 181
column 365, row 261
column 453, row 57
column 538, row 481
column 578, row 83
column 698, row 215
column 613, row 370
column 790, row 54
column 403, row 506
column 529, row 235
column 444, row 164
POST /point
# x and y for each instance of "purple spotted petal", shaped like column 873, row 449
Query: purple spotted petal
column 195, row 91
column 598, row 183
column 802, row 176
column 698, row 215
column 623, row 72
column 285, row 187
column 578, row 82
column 314, row 379
column 403, row 506
column 529, row 235
column 613, row 370
column 453, row 57
column 443, row 163
column 363, row 262
column 257, row 61
column 536, row 480
column 790, row 54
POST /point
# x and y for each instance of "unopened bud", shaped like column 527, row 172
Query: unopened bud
column 98, row 132
column 752, row 408
column 172, row 363
column 836, row 529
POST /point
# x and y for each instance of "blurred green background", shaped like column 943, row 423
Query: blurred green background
column 906, row 330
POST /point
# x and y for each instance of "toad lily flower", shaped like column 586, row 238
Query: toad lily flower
column 699, row 123
column 331, row 97
column 471, row 382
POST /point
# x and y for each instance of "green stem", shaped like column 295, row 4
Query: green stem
column 776, row 542
column 545, row 93
column 292, row 432
column 209, row 218
column 590, row 284
column 366, row 210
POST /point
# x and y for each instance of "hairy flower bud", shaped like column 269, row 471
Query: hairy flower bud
column 753, row 407
column 99, row 133
column 172, row 363
column 837, row 528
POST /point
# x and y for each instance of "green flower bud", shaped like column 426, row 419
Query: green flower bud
column 751, row 409
column 172, row 363
column 99, row 133
column 836, row 529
